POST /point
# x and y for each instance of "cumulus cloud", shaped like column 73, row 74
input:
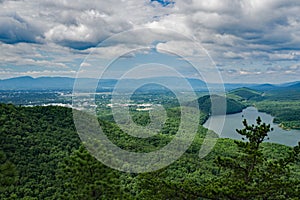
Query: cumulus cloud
column 15, row 29
column 89, row 28
column 233, row 31
column 17, row 59
column 290, row 69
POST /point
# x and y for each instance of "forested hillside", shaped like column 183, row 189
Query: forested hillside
column 42, row 157
column 281, row 102
column 205, row 104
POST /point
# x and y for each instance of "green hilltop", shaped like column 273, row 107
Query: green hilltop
column 245, row 93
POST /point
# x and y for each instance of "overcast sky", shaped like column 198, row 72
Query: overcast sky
column 247, row 40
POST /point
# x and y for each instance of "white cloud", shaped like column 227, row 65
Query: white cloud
column 62, row 33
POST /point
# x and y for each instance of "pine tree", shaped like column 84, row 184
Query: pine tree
column 251, row 175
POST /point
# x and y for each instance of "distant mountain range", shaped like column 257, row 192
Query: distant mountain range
column 65, row 83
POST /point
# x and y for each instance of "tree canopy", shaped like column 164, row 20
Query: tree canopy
column 42, row 157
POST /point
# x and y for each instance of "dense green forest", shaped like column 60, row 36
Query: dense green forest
column 232, row 106
column 285, row 112
column 42, row 157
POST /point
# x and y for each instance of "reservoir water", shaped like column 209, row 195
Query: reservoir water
column 234, row 121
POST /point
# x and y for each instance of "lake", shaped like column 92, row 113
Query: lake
column 234, row 121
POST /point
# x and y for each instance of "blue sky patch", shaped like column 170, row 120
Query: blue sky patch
column 164, row 2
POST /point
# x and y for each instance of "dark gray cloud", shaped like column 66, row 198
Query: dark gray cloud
column 233, row 31
column 16, row 29
column 74, row 23
column 81, row 25
column 246, row 25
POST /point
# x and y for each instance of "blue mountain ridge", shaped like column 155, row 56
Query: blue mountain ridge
column 67, row 83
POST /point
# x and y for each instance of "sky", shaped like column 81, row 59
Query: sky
column 245, row 41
